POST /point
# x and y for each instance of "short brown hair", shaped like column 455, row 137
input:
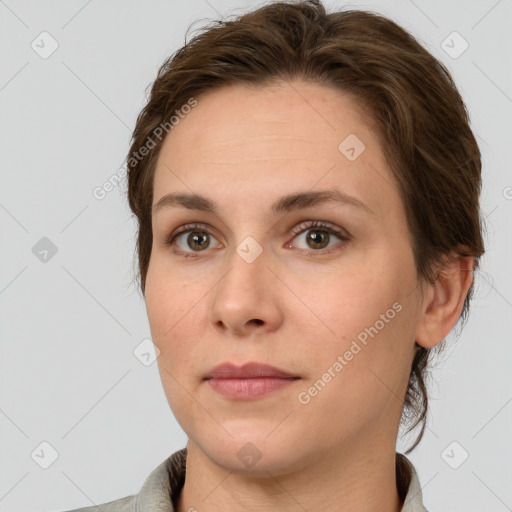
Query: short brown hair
column 421, row 118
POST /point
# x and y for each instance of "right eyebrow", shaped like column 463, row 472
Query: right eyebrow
column 284, row 204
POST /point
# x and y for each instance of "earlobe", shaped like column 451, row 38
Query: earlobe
column 445, row 299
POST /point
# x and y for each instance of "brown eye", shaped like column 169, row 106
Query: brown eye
column 318, row 236
column 318, row 239
column 198, row 240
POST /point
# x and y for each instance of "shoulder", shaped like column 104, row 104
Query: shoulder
column 159, row 490
column 126, row 504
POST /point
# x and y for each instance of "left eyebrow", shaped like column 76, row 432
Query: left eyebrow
column 307, row 199
column 284, row 204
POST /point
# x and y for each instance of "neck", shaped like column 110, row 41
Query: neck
column 359, row 479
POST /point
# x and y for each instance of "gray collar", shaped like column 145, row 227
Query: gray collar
column 164, row 484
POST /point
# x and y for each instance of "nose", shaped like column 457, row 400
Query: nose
column 247, row 298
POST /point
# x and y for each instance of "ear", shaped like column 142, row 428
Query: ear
column 443, row 302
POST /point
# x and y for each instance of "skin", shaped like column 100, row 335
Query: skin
column 244, row 148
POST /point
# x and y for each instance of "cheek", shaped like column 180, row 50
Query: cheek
column 173, row 312
column 352, row 383
column 169, row 301
column 364, row 318
column 341, row 305
column 177, row 318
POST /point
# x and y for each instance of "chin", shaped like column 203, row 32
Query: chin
column 257, row 456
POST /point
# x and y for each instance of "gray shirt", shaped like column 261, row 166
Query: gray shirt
column 162, row 487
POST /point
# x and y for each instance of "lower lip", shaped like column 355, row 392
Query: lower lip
column 249, row 389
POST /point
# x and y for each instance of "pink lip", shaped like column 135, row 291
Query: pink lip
column 249, row 389
column 247, row 371
column 250, row 381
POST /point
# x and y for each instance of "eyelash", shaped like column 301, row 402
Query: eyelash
column 301, row 228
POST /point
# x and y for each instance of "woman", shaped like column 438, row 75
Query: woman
column 307, row 192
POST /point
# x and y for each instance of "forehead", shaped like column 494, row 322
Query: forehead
column 273, row 139
column 236, row 116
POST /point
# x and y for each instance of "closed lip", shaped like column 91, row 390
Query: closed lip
column 247, row 371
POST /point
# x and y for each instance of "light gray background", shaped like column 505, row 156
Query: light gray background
column 69, row 326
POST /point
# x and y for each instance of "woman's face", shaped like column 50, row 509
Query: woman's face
column 253, row 283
